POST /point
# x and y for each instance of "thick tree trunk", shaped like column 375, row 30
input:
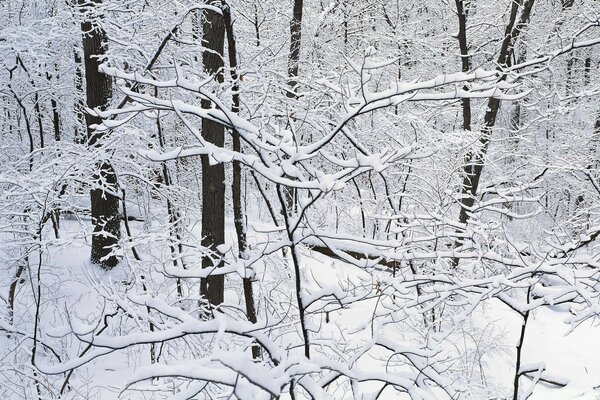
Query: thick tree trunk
column 213, row 176
column 104, row 199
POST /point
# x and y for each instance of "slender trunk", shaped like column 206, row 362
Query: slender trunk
column 256, row 25
column 292, row 92
column 153, row 357
column 295, row 42
column 519, row 361
column 79, row 105
column 301, row 306
column 57, row 137
column 40, row 121
column 362, row 207
column 516, row 119
column 474, row 160
column 464, row 59
column 12, row 293
column 238, row 211
column 27, row 128
column 55, row 113
column 213, row 176
column 236, row 189
column 174, row 217
column 297, row 274
column 104, row 198
column 587, row 71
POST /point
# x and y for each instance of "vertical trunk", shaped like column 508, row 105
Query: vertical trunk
column 293, row 61
column 57, row 137
column 174, row 216
column 256, row 25
column 516, row 120
column 295, row 41
column 475, row 160
column 587, row 70
column 104, row 200
column 28, row 129
column 519, row 361
column 54, row 107
column 213, row 176
column 40, row 121
column 464, row 59
column 25, row 117
column 12, row 293
column 55, row 119
column 79, row 105
column 236, row 189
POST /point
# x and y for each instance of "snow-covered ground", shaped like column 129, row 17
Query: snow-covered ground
column 72, row 286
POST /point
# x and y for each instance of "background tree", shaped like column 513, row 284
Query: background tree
column 213, row 174
column 104, row 196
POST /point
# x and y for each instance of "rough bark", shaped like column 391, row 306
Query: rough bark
column 104, row 201
column 213, row 176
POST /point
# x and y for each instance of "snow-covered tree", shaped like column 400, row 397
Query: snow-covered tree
column 356, row 199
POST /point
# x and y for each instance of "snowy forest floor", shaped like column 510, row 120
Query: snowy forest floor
column 72, row 286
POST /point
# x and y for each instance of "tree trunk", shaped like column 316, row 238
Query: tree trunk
column 464, row 59
column 295, row 41
column 293, row 61
column 475, row 160
column 236, row 188
column 213, row 176
column 79, row 105
column 104, row 200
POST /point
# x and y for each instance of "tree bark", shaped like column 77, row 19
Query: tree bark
column 464, row 59
column 291, row 93
column 104, row 199
column 213, row 176
column 474, row 160
column 295, row 41
column 79, row 105
column 236, row 188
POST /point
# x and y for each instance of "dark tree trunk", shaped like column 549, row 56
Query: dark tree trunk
column 292, row 92
column 256, row 26
column 40, row 121
column 104, row 198
column 174, row 216
column 57, row 138
column 295, row 41
column 464, row 59
column 213, row 176
column 475, row 160
column 79, row 105
column 236, row 188
column 28, row 129
column 55, row 119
